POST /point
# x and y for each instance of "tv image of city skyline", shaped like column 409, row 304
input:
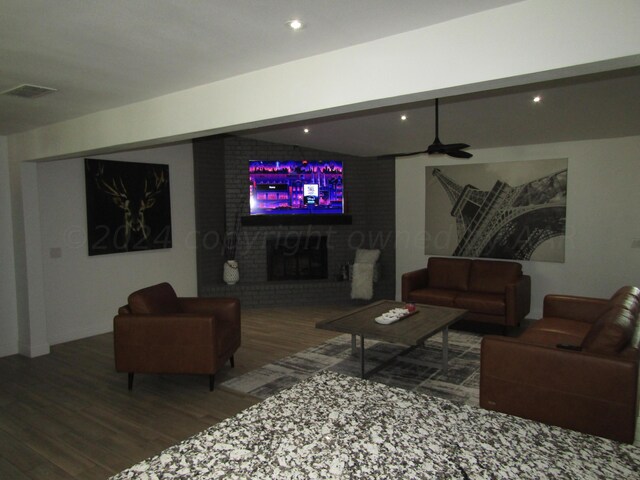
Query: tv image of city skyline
column 295, row 187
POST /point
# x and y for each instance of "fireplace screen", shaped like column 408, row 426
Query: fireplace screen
column 297, row 258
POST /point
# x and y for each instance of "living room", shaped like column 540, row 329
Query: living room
column 56, row 294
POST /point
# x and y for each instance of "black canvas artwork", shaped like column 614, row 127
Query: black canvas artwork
column 128, row 206
column 509, row 210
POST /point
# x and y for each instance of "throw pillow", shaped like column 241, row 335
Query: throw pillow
column 364, row 255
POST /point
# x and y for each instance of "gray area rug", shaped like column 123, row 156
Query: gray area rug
column 419, row 371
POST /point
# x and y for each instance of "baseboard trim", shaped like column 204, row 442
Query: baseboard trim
column 78, row 334
column 8, row 349
column 33, row 351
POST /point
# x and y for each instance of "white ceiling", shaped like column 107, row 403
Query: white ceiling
column 103, row 54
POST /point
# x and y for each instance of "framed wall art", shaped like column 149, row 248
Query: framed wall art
column 509, row 210
column 128, row 206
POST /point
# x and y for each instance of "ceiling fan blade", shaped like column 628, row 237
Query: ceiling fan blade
column 407, row 154
column 455, row 146
column 459, row 154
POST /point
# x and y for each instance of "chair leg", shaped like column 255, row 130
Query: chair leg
column 130, row 380
column 211, row 380
column 231, row 361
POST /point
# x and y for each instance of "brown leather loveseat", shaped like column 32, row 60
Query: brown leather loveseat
column 159, row 332
column 492, row 291
column 576, row 368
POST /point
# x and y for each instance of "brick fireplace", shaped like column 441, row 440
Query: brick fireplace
column 221, row 175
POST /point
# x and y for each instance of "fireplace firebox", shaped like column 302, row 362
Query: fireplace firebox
column 297, row 257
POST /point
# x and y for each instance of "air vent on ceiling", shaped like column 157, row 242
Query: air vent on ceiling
column 29, row 91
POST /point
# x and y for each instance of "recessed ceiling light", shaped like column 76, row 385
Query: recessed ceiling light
column 537, row 99
column 403, row 118
column 295, row 24
column 306, row 130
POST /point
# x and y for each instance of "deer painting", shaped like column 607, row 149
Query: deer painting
column 128, row 196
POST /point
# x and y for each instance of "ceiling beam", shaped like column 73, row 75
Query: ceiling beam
column 520, row 43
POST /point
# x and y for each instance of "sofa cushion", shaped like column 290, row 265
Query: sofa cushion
column 627, row 290
column 550, row 339
column 627, row 298
column 156, row 299
column 448, row 273
column 554, row 330
column 434, row 296
column 489, row 276
column 611, row 332
column 488, row 303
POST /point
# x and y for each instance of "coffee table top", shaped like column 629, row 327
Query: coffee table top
column 413, row 330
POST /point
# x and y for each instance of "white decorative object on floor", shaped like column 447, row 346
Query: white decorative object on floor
column 363, row 268
column 231, row 273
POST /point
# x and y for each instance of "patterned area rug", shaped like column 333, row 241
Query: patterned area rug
column 419, row 371
column 334, row 426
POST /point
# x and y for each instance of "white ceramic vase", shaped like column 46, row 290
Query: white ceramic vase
column 231, row 272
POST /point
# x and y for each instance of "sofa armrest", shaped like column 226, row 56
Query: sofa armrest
column 413, row 281
column 518, row 300
column 584, row 309
column 582, row 391
column 225, row 309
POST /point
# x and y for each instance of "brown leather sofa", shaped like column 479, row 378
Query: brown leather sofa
column 159, row 332
column 492, row 291
column 576, row 368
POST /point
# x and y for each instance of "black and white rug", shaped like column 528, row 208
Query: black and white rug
column 419, row 371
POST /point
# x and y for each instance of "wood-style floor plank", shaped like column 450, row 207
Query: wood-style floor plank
column 69, row 414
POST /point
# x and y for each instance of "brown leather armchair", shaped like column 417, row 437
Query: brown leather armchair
column 159, row 332
column 577, row 367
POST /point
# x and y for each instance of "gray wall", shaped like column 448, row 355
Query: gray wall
column 221, row 169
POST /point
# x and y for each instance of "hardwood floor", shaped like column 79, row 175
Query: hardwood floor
column 69, row 414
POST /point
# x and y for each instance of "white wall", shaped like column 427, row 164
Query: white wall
column 82, row 293
column 8, row 302
column 602, row 215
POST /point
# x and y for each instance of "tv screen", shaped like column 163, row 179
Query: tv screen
column 295, row 187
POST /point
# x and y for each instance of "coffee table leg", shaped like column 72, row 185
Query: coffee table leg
column 445, row 351
column 353, row 344
column 361, row 356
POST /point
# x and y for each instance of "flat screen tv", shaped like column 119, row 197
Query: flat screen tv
column 295, row 187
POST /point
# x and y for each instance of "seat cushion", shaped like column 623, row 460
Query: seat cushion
column 433, row 296
column 489, row 276
column 488, row 303
column 157, row 299
column 611, row 332
column 448, row 273
column 552, row 331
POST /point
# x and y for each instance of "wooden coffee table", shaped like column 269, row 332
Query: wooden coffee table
column 412, row 331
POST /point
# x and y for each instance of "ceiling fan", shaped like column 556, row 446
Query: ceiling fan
column 451, row 149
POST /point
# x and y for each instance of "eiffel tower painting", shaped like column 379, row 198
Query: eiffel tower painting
column 502, row 218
